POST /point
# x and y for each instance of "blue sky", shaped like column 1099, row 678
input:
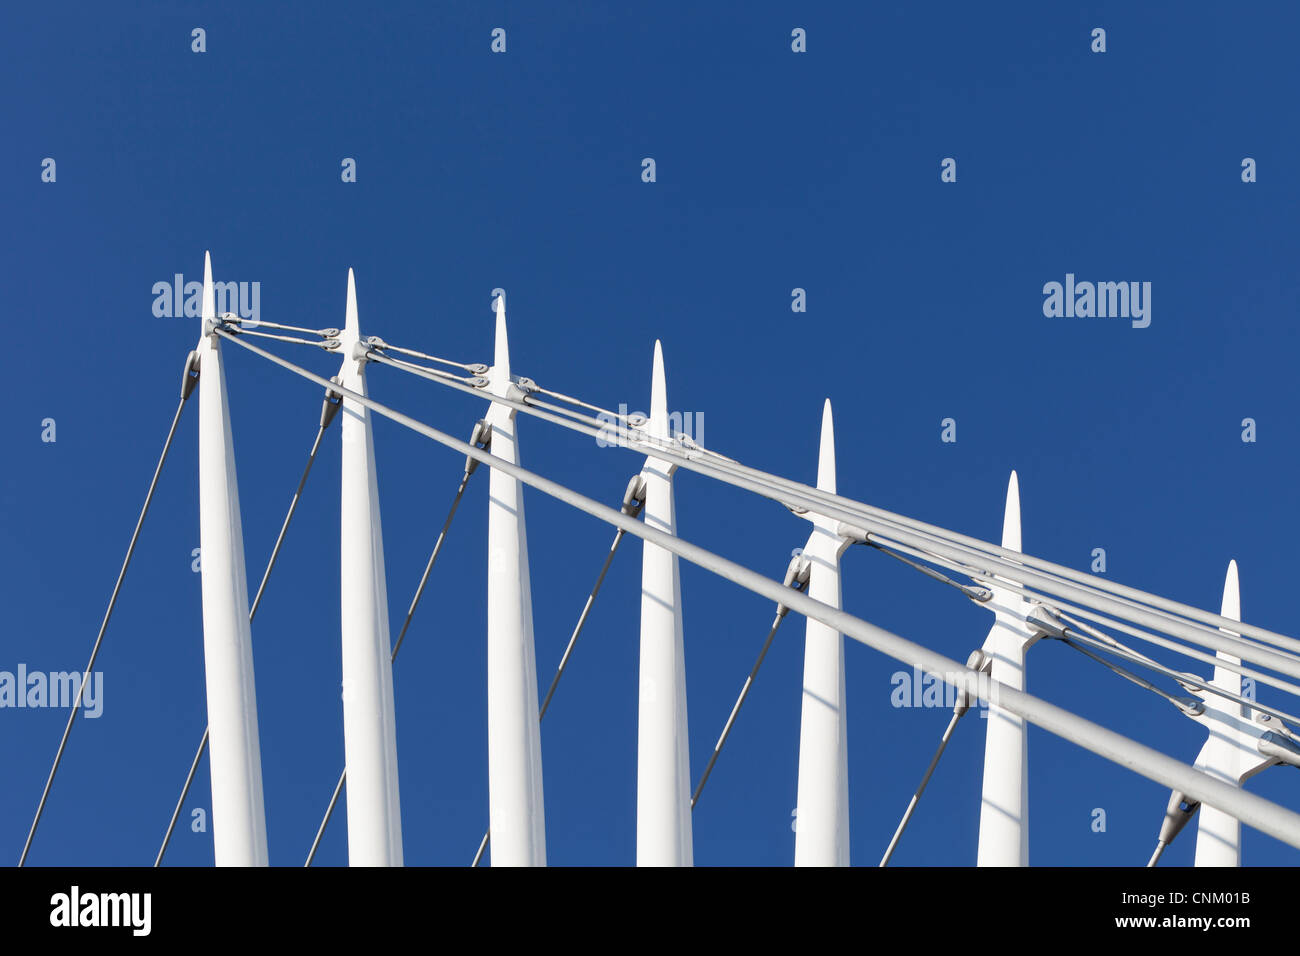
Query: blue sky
column 522, row 170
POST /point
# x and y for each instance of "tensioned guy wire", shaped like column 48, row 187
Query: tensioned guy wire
column 735, row 710
column 1197, row 633
column 1126, row 674
column 1119, row 651
column 188, row 381
column 975, row 594
column 238, row 323
column 322, row 344
column 1193, row 653
column 1118, row 598
column 1253, row 810
column 397, row 646
column 564, row 661
column 1280, row 661
column 433, row 374
column 929, row 772
column 1061, row 607
column 1003, row 557
column 985, row 549
column 328, row 411
column 383, row 346
column 561, row 397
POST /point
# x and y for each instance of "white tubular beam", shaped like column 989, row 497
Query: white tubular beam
column 1004, row 808
column 663, row 785
column 369, row 730
column 822, row 820
column 238, row 814
column 516, row 813
column 1253, row 811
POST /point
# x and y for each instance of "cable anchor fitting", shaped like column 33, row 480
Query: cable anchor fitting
column 634, row 496
column 331, row 405
column 190, row 377
column 480, row 437
column 797, row 574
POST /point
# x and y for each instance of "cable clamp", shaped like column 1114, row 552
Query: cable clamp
column 480, row 437
column 979, row 662
column 1046, row 622
column 634, row 496
column 330, row 407
column 1179, row 811
column 1280, row 746
column 190, row 377
column 851, row 533
column 796, row 578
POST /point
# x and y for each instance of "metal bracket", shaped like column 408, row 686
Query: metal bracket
column 480, row 437
column 190, row 377
column 330, row 406
column 1238, row 745
column 634, row 496
column 797, row 574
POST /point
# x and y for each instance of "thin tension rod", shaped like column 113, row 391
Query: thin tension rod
column 470, row 466
column 633, row 502
column 189, row 378
column 327, row 413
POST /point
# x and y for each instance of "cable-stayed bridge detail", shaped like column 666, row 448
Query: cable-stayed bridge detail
column 1032, row 600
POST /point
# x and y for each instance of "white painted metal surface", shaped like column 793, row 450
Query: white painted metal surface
column 1230, row 753
column 517, row 815
column 663, row 785
column 238, row 814
column 369, row 731
column 1254, row 811
column 1004, row 807
column 822, row 812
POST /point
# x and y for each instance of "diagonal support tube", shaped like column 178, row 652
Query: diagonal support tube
column 1254, row 811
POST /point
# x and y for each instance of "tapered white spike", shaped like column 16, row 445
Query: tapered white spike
column 209, row 304
column 516, row 808
column 369, row 730
column 238, row 814
column 501, row 350
column 663, row 806
column 1230, row 753
column 1004, row 825
column 1233, row 750
column 1011, row 515
column 822, row 814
